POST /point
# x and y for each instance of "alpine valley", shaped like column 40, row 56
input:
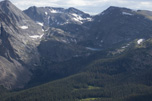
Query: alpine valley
column 57, row 54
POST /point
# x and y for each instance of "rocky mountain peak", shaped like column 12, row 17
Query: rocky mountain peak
column 74, row 10
column 19, row 38
column 51, row 16
column 20, row 28
column 6, row 5
column 6, row 2
column 117, row 10
column 13, row 12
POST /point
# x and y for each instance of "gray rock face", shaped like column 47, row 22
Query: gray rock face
column 58, row 45
column 113, row 27
column 50, row 16
column 13, row 74
column 19, row 38
column 116, row 26
column 24, row 34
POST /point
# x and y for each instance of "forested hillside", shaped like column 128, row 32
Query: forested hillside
column 122, row 77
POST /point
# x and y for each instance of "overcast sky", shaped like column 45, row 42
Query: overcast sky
column 89, row 6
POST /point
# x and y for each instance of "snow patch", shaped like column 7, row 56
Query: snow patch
column 64, row 41
column 46, row 13
column 24, row 27
column 78, row 18
column 36, row 36
column 89, row 19
column 93, row 49
column 140, row 41
column 125, row 13
column 48, row 20
column 39, row 23
column 53, row 11
column 125, row 46
column 64, row 23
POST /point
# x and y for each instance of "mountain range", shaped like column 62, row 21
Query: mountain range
column 57, row 54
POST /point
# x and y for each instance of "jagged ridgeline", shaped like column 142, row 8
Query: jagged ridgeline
column 57, row 54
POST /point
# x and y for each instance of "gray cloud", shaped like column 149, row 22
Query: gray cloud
column 90, row 6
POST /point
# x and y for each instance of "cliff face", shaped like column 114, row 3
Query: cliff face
column 18, row 46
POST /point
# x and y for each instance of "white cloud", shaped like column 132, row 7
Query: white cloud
column 78, row 3
column 27, row 3
column 91, row 6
